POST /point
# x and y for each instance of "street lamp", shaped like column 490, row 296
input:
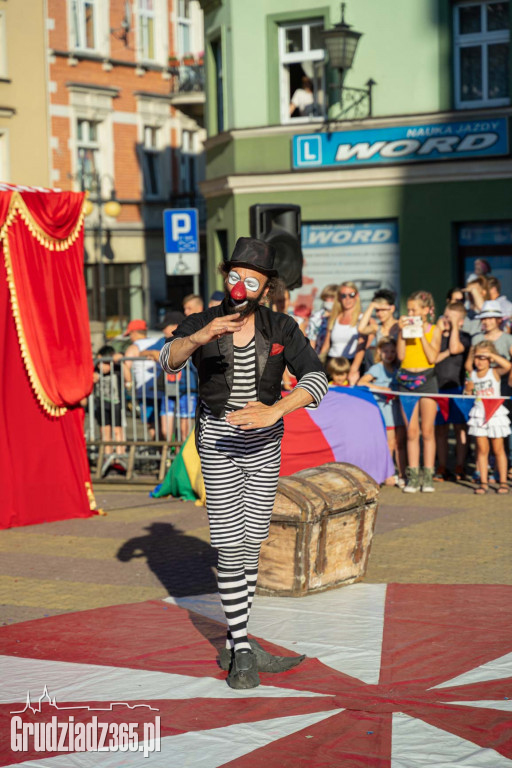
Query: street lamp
column 341, row 43
column 109, row 207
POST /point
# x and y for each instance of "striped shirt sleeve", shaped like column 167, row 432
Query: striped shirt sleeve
column 164, row 358
column 316, row 384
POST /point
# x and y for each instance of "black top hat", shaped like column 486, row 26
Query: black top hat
column 254, row 254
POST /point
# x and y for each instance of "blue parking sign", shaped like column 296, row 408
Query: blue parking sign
column 181, row 231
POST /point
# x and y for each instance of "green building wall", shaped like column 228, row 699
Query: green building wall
column 427, row 216
column 406, row 47
column 412, row 76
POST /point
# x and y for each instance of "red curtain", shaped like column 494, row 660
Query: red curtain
column 46, row 359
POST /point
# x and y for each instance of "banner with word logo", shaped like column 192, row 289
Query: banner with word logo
column 402, row 144
column 366, row 253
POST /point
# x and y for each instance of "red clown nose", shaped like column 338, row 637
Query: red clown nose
column 238, row 292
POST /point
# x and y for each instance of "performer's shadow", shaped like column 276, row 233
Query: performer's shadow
column 184, row 566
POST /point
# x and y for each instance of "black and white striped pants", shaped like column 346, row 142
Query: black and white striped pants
column 240, row 470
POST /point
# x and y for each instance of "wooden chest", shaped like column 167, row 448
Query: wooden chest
column 321, row 531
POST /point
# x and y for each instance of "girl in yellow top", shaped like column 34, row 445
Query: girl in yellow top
column 417, row 356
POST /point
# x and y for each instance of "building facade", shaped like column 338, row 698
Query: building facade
column 405, row 196
column 126, row 110
column 24, row 142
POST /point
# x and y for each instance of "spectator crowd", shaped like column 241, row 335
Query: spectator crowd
column 408, row 361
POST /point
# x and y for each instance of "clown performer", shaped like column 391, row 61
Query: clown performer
column 240, row 349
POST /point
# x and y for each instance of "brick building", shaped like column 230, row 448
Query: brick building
column 126, row 117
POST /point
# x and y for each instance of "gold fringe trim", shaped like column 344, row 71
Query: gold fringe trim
column 92, row 501
column 17, row 206
column 42, row 397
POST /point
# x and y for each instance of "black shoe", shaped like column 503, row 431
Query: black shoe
column 266, row 661
column 243, row 672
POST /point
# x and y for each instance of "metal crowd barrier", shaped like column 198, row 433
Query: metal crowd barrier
column 137, row 417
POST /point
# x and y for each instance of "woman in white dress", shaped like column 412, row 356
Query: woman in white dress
column 485, row 382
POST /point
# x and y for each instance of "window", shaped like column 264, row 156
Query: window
column 146, row 18
column 151, row 162
column 184, row 28
column 301, row 63
column 124, row 294
column 489, row 241
column 481, row 49
column 88, row 150
column 84, row 21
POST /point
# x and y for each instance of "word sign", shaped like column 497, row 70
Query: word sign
column 402, row 144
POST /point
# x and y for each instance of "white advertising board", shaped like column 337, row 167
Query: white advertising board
column 366, row 253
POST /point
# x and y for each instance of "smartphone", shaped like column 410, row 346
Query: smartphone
column 414, row 328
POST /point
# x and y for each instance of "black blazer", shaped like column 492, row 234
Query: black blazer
column 279, row 344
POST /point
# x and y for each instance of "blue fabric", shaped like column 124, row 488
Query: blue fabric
column 409, row 403
column 456, row 413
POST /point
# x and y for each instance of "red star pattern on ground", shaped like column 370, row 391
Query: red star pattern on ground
column 446, row 673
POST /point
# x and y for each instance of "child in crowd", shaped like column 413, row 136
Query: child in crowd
column 418, row 347
column 338, row 369
column 455, row 346
column 382, row 375
column 484, row 381
column 375, row 327
column 316, row 330
column 107, row 396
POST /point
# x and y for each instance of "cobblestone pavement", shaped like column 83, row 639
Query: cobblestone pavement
column 147, row 548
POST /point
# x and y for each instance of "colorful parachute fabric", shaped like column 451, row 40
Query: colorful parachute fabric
column 184, row 479
column 347, row 426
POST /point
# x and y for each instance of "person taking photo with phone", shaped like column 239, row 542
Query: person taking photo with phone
column 418, row 345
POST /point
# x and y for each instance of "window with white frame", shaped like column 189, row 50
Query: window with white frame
column 147, row 23
column 184, row 41
column 151, row 162
column 481, row 50
column 88, row 152
column 302, row 77
column 84, row 17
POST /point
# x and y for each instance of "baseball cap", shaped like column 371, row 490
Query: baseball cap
column 171, row 318
column 135, row 325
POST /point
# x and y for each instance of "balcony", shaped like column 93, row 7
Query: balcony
column 187, row 86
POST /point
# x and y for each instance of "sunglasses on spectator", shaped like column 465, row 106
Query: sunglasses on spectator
column 481, row 357
column 350, row 295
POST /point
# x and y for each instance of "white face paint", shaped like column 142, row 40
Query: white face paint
column 251, row 283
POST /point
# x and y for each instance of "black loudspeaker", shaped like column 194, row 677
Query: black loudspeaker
column 280, row 225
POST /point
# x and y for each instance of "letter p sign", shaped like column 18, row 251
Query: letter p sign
column 180, row 225
column 181, row 232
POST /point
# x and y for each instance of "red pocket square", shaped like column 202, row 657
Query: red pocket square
column 276, row 349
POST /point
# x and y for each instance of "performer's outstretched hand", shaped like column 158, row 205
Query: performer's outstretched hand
column 254, row 416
